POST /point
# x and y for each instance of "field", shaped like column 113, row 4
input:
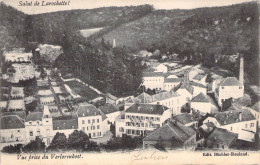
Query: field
column 82, row 90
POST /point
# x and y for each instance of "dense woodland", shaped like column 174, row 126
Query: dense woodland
column 207, row 31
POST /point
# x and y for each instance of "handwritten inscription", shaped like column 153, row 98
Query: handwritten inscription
column 153, row 156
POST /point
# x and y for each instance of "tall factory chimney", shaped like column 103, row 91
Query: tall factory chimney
column 241, row 69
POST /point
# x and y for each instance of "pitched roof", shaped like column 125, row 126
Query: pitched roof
column 187, row 86
column 111, row 96
column 197, row 84
column 230, row 81
column 34, row 116
column 232, row 116
column 153, row 74
column 184, row 118
column 11, row 122
column 173, row 80
column 108, row 108
column 222, row 136
column 201, row 98
column 177, row 130
column 20, row 114
column 87, row 110
column 199, row 77
column 146, row 98
column 147, row 109
column 65, row 124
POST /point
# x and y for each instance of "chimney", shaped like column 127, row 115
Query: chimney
column 240, row 116
column 241, row 70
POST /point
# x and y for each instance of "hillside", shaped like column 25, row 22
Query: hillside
column 209, row 31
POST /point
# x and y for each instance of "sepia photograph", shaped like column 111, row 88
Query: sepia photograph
column 129, row 82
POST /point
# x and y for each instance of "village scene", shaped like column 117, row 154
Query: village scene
column 178, row 105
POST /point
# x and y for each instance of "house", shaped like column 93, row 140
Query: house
column 201, row 103
column 237, row 120
column 172, row 135
column 221, row 139
column 17, row 92
column 111, row 112
column 110, row 99
column 170, row 83
column 198, row 88
column 161, row 68
column 39, row 124
column 16, row 105
column 186, row 119
column 90, row 120
column 142, row 118
column 153, row 80
column 229, row 88
column 200, row 78
column 66, row 126
column 12, row 129
column 169, row 99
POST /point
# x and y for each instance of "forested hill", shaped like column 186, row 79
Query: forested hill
column 210, row 31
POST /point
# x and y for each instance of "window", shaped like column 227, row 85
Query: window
column 230, row 128
column 38, row 123
column 38, row 132
column 93, row 120
column 30, row 123
column 121, row 129
column 99, row 134
column 97, row 120
column 252, row 125
column 240, row 87
column 246, row 126
column 18, row 130
column 87, row 128
column 94, row 134
column 83, row 129
column 89, row 121
column 83, row 121
column 47, row 131
column 98, row 127
column 222, row 87
column 31, row 133
column 93, row 127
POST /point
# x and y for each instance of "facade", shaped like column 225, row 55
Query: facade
column 90, row 121
column 153, row 80
column 111, row 112
column 140, row 118
column 239, row 121
column 172, row 135
column 64, row 126
column 39, row 124
column 12, row 129
column 201, row 103
column 170, row 83
column 229, row 88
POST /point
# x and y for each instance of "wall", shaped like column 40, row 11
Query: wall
column 90, row 127
column 201, row 106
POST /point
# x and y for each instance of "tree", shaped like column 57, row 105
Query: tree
column 78, row 140
column 12, row 149
column 92, row 146
column 36, row 145
column 59, row 142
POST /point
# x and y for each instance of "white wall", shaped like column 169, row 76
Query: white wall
column 201, row 106
column 153, row 82
column 91, row 127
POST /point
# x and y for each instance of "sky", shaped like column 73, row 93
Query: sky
column 90, row 4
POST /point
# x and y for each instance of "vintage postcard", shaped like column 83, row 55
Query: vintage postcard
column 129, row 82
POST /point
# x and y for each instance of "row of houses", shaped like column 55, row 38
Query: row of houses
column 16, row 127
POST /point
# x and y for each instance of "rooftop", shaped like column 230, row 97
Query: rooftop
column 108, row 108
column 184, row 118
column 11, row 122
column 20, row 114
column 65, row 124
column 111, row 96
column 222, row 136
column 169, row 131
column 153, row 74
column 232, row 116
column 173, row 80
column 201, row 98
column 230, row 81
column 87, row 110
column 34, row 116
column 256, row 106
column 147, row 109
column 199, row 77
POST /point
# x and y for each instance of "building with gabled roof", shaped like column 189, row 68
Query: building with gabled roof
column 221, row 139
column 140, row 118
column 186, row 119
column 172, row 135
column 111, row 112
column 90, row 120
column 39, row 124
column 12, row 129
column 236, row 120
column 66, row 126
column 170, row 83
column 111, row 99
column 201, row 103
column 153, row 80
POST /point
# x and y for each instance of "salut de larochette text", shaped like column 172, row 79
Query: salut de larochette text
column 44, row 3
